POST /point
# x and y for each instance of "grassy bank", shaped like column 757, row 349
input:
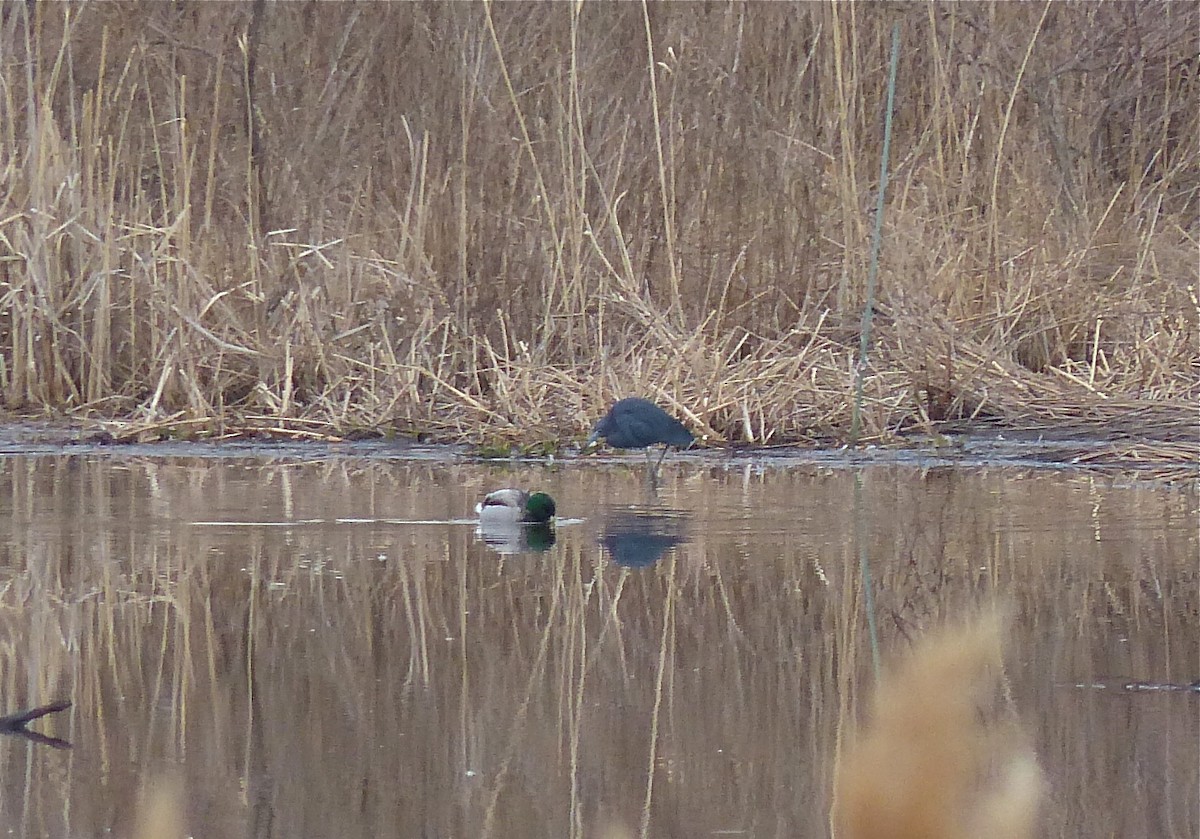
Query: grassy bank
column 486, row 223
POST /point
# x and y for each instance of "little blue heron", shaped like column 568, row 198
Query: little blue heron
column 635, row 423
column 515, row 505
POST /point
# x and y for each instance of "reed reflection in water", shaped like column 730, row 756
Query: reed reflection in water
column 311, row 662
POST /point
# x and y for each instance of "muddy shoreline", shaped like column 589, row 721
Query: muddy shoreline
column 1146, row 458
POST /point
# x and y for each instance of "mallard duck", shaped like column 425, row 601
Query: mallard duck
column 515, row 505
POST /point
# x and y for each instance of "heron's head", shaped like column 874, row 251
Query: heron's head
column 600, row 429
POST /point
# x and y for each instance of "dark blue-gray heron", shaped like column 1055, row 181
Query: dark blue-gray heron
column 635, row 423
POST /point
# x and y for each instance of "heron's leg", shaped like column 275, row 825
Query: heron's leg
column 661, row 457
column 652, row 469
column 651, row 476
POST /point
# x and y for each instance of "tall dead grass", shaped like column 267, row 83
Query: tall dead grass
column 930, row 766
column 485, row 221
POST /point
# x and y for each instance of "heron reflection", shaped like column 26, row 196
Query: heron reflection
column 640, row 538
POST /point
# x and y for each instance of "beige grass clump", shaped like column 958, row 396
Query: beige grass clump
column 934, row 763
column 160, row 812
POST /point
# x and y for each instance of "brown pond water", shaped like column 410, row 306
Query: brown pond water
column 322, row 646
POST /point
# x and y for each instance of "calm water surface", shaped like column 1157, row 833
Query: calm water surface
column 317, row 647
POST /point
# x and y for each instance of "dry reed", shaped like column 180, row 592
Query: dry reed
column 928, row 766
column 480, row 222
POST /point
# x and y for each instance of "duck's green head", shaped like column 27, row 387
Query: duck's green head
column 539, row 507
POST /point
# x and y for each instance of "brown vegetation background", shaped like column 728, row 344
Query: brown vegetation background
column 486, row 222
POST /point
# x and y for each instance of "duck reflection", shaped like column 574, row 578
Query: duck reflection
column 514, row 537
column 14, row 725
column 639, row 538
